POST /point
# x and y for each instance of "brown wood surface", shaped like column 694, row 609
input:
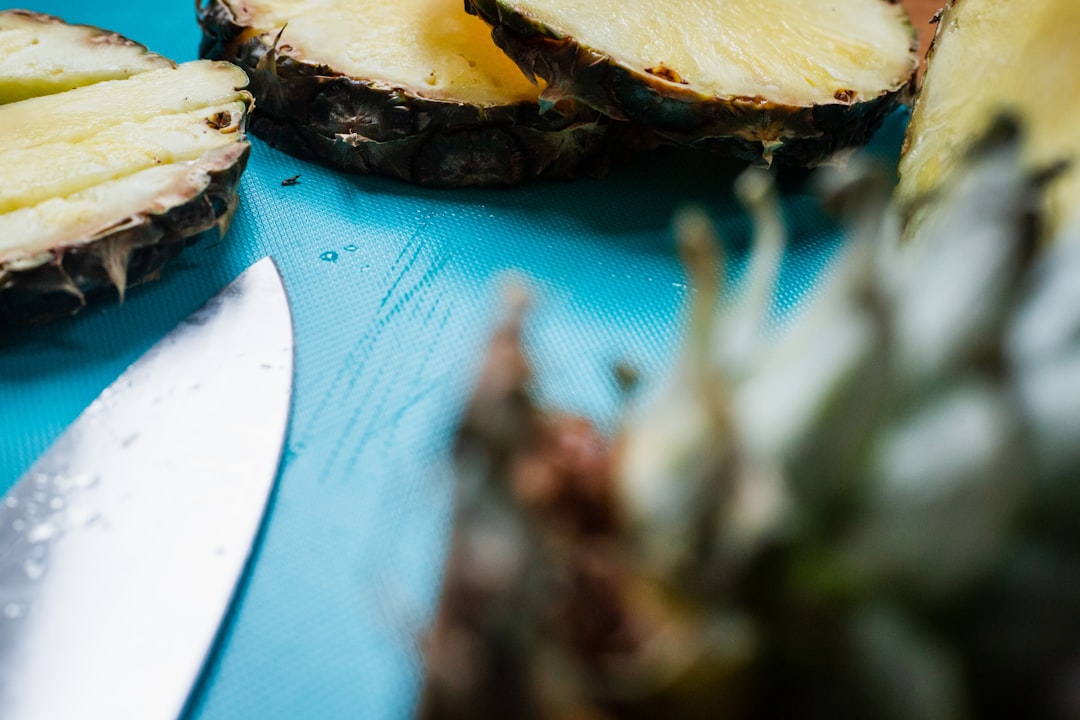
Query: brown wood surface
column 921, row 11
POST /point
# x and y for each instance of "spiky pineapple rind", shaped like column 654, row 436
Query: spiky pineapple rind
column 660, row 110
column 101, row 267
column 362, row 125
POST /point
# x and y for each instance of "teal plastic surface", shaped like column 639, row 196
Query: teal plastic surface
column 394, row 291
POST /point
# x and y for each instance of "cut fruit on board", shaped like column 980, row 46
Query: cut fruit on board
column 114, row 158
column 412, row 89
column 789, row 82
column 989, row 58
column 42, row 55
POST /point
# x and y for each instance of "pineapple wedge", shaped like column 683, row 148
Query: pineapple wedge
column 412, row 89
column 781, row 80
column 42, row 55
column 119, row 161
column 990, row 57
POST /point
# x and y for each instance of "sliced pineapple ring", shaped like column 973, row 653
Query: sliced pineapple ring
column 990, row 57
column 106, row 181
column 42, row 55
column 413, row 89
column 785, row 79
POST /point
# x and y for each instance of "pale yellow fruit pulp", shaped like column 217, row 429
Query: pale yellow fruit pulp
column 431, row 48
column 82, row 161
column 40, row 55
column 992, row 57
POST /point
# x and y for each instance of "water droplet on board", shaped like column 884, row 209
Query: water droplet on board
column 11, row 502
column 34, row 569
column 81, row 481
column 329, row 256
column 42, row 532
column 351, row 248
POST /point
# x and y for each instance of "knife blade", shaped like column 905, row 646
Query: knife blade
column 122, row 546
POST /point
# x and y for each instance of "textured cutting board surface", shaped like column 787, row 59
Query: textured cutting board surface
column 394, row 291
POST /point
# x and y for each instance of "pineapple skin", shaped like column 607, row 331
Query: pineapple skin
column 658, row 112
column 317, row 113
column 101, row 267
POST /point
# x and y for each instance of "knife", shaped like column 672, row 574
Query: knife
column 121, row 548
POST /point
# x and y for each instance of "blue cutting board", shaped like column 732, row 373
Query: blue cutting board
column 394, row 290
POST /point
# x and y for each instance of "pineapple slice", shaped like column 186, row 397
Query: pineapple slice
column 990, row 57
column 786, row 81
column 42, row 55
column 106, row 181
column 412, row 89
